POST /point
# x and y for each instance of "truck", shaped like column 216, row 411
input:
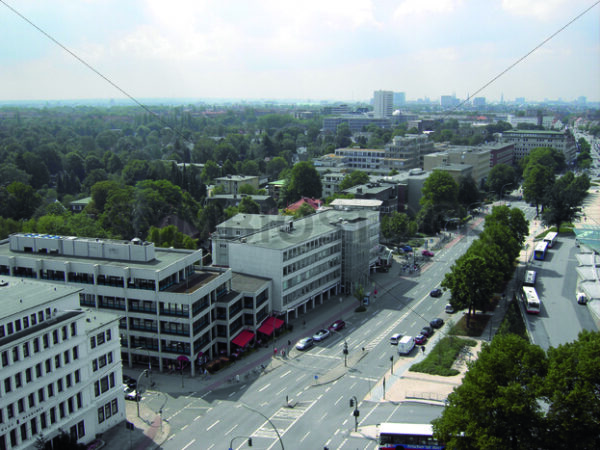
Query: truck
column 405, row 345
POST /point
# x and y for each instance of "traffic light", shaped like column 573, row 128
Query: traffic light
column 249, row 442
column 351, row 403
column 345, row 348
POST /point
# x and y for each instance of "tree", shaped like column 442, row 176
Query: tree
column 275, row 166
column 210, row 171
column 468, row 193
column 500, row 176
column 303, row 181
column 537, row 180
column 471, row 282
column 396, row 226
column 497, row 406
column 564, row 199
column 354, row 178
column 304, row 210
column 343, row 135
column 440, row 190
column 248, row 206
column 571, row 389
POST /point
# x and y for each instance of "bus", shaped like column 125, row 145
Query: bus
column 531, row 301
column 407, row 436
column 540, row 250
column 530, row 277
column 551, row 238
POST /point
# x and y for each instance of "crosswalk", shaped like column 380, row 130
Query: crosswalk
column 283, row 419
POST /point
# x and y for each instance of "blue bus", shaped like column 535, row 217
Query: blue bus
column 540, row 250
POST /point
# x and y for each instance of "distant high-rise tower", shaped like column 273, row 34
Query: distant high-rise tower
column 383, row 103
column 399, row 98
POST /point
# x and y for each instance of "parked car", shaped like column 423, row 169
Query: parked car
column 305, row 343
column 337, row 325
column 131, row 394
column 427, row 253
column 420, row 339
column 437, row 292
column 406, row 248
column 395, row 338
column 427, row 331
column 129, row 381
column 320, row 335
column 581, row 298
column 449, row 309
column 436, row 323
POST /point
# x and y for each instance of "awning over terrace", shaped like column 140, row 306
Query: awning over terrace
column 270, row 324
column 243, row 338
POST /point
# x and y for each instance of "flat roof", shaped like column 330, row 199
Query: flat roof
column 163, row 257
column 20, row 295
column 356, row 202
column 247, row 283
column 95, row 319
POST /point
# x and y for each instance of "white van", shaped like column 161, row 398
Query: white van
column 395, row 338
column 405, row 345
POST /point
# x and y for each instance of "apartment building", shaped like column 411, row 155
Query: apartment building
column 383, row 103
column 331, row 182
column 526, row 140
column 61, row 366
column 476, row 157
column 174, row 312
column 232, row 183
column 311, row 259
column 362, row 158
column 411, row 149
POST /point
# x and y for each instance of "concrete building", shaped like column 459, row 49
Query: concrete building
column 232, row 183
column 383, row 103
column 173, row 311
column 239, row 226
column 526, row 140
column 386, row 193
column 331, row 182
column 409, row 185
column 476, row 157
column 362, row 158
column 352, row 204
column 311, row 259
column 61, row 366
column 479, row 102
column 410, row 149
column 356, row 122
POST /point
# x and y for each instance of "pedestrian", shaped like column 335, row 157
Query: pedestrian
column 304, row 323
column 289, row 343
column 237, row 378
column 275, row 351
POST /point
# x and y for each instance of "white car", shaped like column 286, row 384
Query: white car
column 321, row 334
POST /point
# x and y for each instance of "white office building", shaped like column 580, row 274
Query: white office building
column 61, row 366
column 526, row 140
column 311, row 259
column 173, row 311
column 383, row 103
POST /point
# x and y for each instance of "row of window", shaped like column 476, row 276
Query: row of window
column 311, row 245
column 100, row 338
column 104, row 384
column 37, row 344
column 24, row 322
column 310, row 273
column 301, row 292
column 17, row 380
column 311, row 259
column 101, row 361
column 20, row 407
column 109, row 409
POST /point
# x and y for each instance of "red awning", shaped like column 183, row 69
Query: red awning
column 272, row 323
column 243, row 338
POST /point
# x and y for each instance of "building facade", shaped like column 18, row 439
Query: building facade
column 526, row 140
column 232, row 183
column 61, row 366
column 174, row 312
column 410, row 148
column 383, row 103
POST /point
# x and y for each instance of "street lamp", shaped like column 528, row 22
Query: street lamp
column 268, row 420
column 502, row 190
column 454, row 219
column 137, row 391
column 149, row 363
column 356, row 412
column 240, row 437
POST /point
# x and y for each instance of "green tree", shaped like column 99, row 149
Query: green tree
column 304, row 210
column 440, row 190
column 501, row 176
column 496, row 405
column 468, row 193
column 210, row 171
column 248, row 206
column 354, row 178
column 303, row 181
column 571, row 388
column 471, row 281
column 275, row 166
column 564, row 199
column 537, row 180
column 343, row 135
column 396, row 226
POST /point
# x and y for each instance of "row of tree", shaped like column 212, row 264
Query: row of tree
column 484, row 268
column 516, row 396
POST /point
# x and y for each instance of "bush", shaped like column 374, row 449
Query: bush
column 440, row 359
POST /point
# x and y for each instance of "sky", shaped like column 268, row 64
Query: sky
column 309, row 50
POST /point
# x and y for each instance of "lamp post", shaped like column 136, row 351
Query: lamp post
column 502, row 190
column 240, row 437
column 137, row 391
column 149, row 363
column 453, row 219
column 356, row 412
column 268, row 420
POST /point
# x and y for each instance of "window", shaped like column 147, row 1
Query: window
column 24, row 432
column 101, row 414
column 28, row 375
column 63, row 331
column 10, row 412
column 59, row 385
column 57, row 361
column 77, row 376
column 36, row 345
column 33, row 320
column 9, row 328
column 25, row 322
column 94, row 365
column 46, row 340
column 115, row 406
column 4, row 359
column 70, row 406
column 79, row 400
column 48, row 364
column 73, row 329
column 43, row 420
column 66, row 356
column 25, row 349
column 21, row 405
column 2, row 332
column 61, row 410
column 108, row 335
column 68, row 380
column 41, row 395
column 50, row 389
column 31, row 400
column 55, row 337
column 100, row 338
column 15, row 354
column 41, row 316
column 17, row 325
column 18, row 382
column 75, row 353
column 52, row 415
column 93, row 342
column 107, row 413
column 80, row 429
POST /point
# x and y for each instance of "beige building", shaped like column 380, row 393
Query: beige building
column 410, row 149
column 477, row 158
column 232, row 183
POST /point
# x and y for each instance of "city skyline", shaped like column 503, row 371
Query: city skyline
column 300, row 50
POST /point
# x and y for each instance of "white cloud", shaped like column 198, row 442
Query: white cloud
column 544, row 9
column 418, row 7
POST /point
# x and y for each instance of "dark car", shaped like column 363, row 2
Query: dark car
column 437, row 292
column 427, row 331
column 337, row 325
column 406, row 249
column 436, row 323
column 420, row 339
column 130, row 382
